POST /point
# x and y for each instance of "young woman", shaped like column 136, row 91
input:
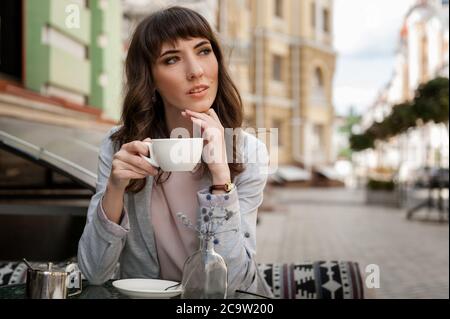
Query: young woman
column 176, row 77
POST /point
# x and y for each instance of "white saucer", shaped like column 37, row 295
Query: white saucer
column 147, row 288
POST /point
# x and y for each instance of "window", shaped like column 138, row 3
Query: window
column 277, row 68
column 318, row 144
column 423, row 53
column 279, row 8
column 318, row 97
column 318, row 78
column 82, row 3
column 278, row 124
column 10, row 45
column 326, row 20
column 313, row 15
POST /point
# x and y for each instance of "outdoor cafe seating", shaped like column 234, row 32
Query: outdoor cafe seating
column 59, row 213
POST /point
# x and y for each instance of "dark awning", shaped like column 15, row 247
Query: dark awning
column 72, row 152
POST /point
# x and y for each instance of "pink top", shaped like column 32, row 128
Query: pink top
column 174, row 241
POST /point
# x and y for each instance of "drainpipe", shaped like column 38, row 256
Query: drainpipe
column 296, row 120
column 259, row 74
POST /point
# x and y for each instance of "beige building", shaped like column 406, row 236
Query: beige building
column 283, row 62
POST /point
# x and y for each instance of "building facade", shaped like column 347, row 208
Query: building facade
column 71, row 50
column 282, row 59
column 422, row 56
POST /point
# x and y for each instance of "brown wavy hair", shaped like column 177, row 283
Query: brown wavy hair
column 142, row 116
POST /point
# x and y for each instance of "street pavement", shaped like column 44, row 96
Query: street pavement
column 335, row 224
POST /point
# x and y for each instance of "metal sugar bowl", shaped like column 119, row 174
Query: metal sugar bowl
column 51, row 282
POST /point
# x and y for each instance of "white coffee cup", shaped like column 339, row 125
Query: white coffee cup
column 175, row 155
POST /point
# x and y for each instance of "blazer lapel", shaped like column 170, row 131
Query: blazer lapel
column 142, row 209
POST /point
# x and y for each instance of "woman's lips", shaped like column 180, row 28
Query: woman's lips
column 199, row 94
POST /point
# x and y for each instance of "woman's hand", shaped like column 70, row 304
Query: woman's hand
column 215, row 151
column 127, row 164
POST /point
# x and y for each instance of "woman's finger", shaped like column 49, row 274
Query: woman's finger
column 136, row 147
column 213, row 114
column 201, row 116
column 137, row 161
column 127, row 174
column 125, row 166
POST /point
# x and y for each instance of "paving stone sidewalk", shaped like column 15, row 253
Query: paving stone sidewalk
column 335, row 224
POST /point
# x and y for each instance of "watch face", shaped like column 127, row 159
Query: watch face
column 228, row 187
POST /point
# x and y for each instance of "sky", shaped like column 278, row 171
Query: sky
column 366, row 37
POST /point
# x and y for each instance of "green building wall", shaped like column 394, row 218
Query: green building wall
column 107, row 60
column 49, row 65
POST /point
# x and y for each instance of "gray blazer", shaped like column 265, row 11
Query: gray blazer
column 132, row 243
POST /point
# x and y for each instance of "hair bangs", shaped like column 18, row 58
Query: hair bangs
column 175, row 23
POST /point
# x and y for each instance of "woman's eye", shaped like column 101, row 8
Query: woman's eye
column 170, row 61
column 206, row 51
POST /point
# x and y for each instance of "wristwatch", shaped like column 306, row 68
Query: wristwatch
column 228, row 187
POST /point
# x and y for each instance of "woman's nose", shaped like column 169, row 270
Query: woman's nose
column 195, row 71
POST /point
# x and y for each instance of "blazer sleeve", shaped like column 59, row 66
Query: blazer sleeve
column 102, row 241
column 238, row 248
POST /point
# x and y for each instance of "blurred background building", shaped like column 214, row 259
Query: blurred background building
column 423, row 54
column 270, row 42
column 69, row 50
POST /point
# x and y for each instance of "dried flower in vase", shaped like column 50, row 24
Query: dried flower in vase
column 205, row 271
column 209, row 221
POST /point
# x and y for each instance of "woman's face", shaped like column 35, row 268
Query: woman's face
column 186, row 75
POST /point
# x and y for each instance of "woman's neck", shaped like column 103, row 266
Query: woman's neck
column 174, row 120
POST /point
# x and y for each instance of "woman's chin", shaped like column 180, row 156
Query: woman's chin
column 199, row 108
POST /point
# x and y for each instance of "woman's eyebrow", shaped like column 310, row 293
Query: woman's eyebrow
column 178, row 51
column 201, row 43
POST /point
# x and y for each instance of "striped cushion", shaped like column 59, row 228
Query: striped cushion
column 314, row 280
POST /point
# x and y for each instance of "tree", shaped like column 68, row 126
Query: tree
column 351, row 121
column 430, row 104
column 403, row 117
column 431, row 101
column 361, row 142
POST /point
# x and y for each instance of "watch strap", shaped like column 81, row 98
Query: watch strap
column 228, row 187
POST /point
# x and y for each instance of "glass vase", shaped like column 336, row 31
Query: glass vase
column 204, row 273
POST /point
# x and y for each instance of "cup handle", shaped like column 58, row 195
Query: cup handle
column 150, row 159
column 73, row 270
